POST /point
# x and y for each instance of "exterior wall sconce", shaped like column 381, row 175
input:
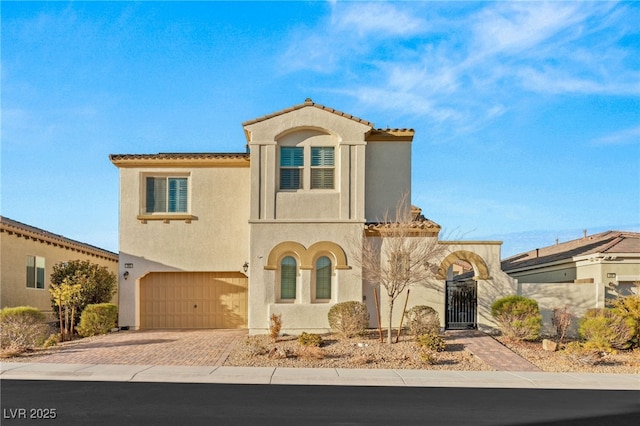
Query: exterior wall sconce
column 126, row 274
column 245, row 267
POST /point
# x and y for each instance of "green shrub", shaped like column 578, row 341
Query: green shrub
column 98, row 283
column 310, row 339
column 519, row 317
column 431, row 342
column 53, row 340
column 348, row 318
column 22, row 327
column 423, row 319
column 629, row 307
column 98, row 319
column 606, row 330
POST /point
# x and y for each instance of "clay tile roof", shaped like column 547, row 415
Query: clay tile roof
column 602, row 243
column 178, row 156
column 202, row 159
column 14, row 227
column 418, row 222
column 307, row 103
column 386, row 135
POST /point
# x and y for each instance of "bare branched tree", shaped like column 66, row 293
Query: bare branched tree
column 398, row 253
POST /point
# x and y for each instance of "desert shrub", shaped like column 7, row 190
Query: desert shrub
column 275, row 325
column 431, row 341
column 423, row 319
column 53, row 340
column 348, row 318
column 311, row 352
column 428, row 356
column 578, row 354
column 310, row 339
column 97, row 319
column 22, row 327
column 562, row 319
column 519, row 317
column 606, row 330
column 629, row 307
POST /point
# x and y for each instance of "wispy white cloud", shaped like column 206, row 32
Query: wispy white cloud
column 397, row 56
column 513, row 27
column 560, row 81
column 375, row 20
column 621, row 137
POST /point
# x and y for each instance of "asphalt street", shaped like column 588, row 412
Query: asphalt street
column 27, row 402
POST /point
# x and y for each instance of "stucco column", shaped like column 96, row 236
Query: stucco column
column 304, row 293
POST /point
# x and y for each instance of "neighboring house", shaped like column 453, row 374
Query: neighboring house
column 28, row 255
column 609, row 258
column 579, row 274
column 225, row 240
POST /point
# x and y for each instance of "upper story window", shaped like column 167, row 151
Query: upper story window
column 35, row 272
column 307, row 167
column 166, row 194
column 322, row 167
column 291, row 164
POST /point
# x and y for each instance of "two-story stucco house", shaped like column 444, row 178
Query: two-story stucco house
column 224, row 240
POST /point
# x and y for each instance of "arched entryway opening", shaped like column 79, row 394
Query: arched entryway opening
column 461, row 271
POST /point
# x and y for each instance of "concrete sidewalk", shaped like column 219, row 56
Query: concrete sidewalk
column 317, row 376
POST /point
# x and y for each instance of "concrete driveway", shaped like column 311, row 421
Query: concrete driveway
column 151, row 347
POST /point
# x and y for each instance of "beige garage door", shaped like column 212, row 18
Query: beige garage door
column 193, row 300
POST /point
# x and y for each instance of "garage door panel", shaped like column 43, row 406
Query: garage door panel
column 193, row 300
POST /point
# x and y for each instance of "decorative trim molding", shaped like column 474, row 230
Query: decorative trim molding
column 305, row 256
column 478, row 263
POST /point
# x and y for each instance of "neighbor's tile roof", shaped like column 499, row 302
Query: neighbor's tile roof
column 20, row 229
column 308, row 102
column 605, row 242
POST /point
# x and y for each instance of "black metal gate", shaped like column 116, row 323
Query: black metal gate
column 462, row 304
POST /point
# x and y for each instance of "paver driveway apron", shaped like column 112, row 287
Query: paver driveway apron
column 151, row 347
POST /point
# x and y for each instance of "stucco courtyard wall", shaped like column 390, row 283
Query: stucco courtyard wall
column 577, row 297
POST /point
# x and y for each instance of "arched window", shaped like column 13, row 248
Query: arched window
column 323, row 278
column 288, row 272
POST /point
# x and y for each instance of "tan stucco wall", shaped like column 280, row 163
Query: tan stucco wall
column 577, row 297
column 562, row 273
column 304, row 216
column 388, row 178
column 433, row 292
column 14, row 250
column 625, row 266
column 307, row 127
column 303, row 314
column 216, row 239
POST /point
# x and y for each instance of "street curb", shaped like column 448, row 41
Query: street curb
column 318, row 376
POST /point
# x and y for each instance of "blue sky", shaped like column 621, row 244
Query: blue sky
column 527, row 115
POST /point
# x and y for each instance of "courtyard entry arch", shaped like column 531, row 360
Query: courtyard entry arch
column 461, row 271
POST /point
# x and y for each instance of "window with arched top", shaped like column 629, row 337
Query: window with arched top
column 288, row 272
column 323, row 278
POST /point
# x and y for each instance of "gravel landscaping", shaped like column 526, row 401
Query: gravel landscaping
column 622, row 362
column 359, row 352
column 368, row 352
